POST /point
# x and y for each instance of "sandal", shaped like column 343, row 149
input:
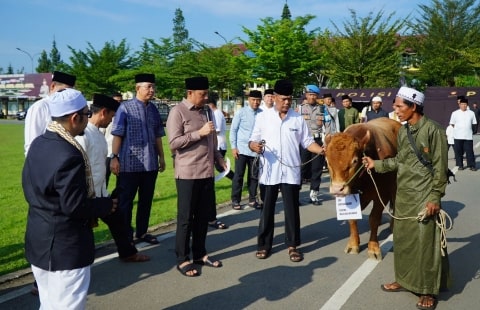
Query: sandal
column 294, row 255
column 392, row 287
column 254, row 205
column 236, row 207
column 136, row 258
column 207, row 262
column 218, row 225
column 262, row 254
column 427, row 299
column 149, row 239
column 188, row 270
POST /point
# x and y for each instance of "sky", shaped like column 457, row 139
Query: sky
column 33, row 25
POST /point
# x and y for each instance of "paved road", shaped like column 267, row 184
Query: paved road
column 326, row 279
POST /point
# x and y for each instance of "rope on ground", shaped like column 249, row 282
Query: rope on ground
column 441, row 220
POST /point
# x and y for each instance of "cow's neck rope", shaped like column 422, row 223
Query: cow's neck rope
column 441, row 219
column 360, row 168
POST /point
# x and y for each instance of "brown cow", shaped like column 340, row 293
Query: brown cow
column 378, row 140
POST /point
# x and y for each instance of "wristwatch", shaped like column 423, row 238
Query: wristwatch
column 112, row 156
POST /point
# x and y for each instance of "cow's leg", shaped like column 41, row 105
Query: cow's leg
column 354, row 240
column 374, row 220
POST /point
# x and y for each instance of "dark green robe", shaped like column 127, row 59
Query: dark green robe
column 347, row 117
column 419, row 266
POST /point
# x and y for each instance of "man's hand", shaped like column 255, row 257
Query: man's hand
column 432, row 208
column 207, row 129
column 161, row 164
column 235, row 153
column 115, row 166
column 368, row 162
column 256, row 147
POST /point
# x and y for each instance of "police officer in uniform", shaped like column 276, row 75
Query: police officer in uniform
column 313, row 114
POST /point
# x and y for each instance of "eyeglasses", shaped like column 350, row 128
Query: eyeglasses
column 148, row 86
column 88, row 113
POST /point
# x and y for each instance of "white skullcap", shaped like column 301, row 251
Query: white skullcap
column 66, row 101
column 377, row 99
column 411, row 94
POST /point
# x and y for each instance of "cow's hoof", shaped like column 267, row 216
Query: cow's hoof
column 352, row 249
column 375, row 255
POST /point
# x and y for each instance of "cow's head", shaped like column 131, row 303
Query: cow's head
column 344, row 154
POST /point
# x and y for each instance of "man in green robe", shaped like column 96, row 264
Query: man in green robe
column 348, row 115
column 418, row 261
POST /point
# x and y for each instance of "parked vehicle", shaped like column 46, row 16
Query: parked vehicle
column 21, row 115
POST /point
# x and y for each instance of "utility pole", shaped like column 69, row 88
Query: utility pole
column 29, row 55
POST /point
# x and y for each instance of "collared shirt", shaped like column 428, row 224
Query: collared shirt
column 313, row 115
column 95, row 145
column 36, row 121
column 463, row 121
column 375, row 114
column 241, row 129
column 280, row 163
column 193, row 155
column 220, row 128
column 139, row 125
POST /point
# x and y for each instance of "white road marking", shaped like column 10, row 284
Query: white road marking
column 340, row 297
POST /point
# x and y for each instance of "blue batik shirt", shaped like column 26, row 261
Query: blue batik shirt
column 139, row 125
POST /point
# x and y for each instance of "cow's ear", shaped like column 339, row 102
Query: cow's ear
column 365, row 139
column 328, row 138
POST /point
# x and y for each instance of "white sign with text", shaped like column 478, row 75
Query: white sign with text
column 348, row 207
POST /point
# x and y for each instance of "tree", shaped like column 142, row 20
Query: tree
column 286, row 12
column 181, row 41
column 44, row 63
column 443, row 30
column 282, row 49
column 366, row 53
column 51, row 62
column 101, row 71
column 55, row 58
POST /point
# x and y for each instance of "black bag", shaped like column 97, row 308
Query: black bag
column 422, row 159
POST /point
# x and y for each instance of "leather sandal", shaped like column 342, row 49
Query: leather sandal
column 262, row 254
column 431, row 299
column 205, row 261
column 295, row 256
column 392, row 287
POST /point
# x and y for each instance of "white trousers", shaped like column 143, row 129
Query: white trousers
column 65, row 289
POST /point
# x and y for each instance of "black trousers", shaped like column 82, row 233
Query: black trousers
column 313, row 170
column 290, row 193
column 128, row 183
column 241, row 165
column 120, row 233
column 464, row 146
column 194, row 201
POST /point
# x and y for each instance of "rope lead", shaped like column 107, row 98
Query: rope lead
column 441, row 220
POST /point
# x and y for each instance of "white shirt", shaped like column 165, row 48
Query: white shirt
column 95, row 145
column 36, row 121
column 108, row 135
column 221, row 128
column 281, row 160
column 462, row 122
column 449, row 133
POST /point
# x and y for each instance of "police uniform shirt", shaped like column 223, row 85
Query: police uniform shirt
column 314, row 116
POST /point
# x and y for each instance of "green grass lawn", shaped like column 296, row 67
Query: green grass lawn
column 14, row 207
